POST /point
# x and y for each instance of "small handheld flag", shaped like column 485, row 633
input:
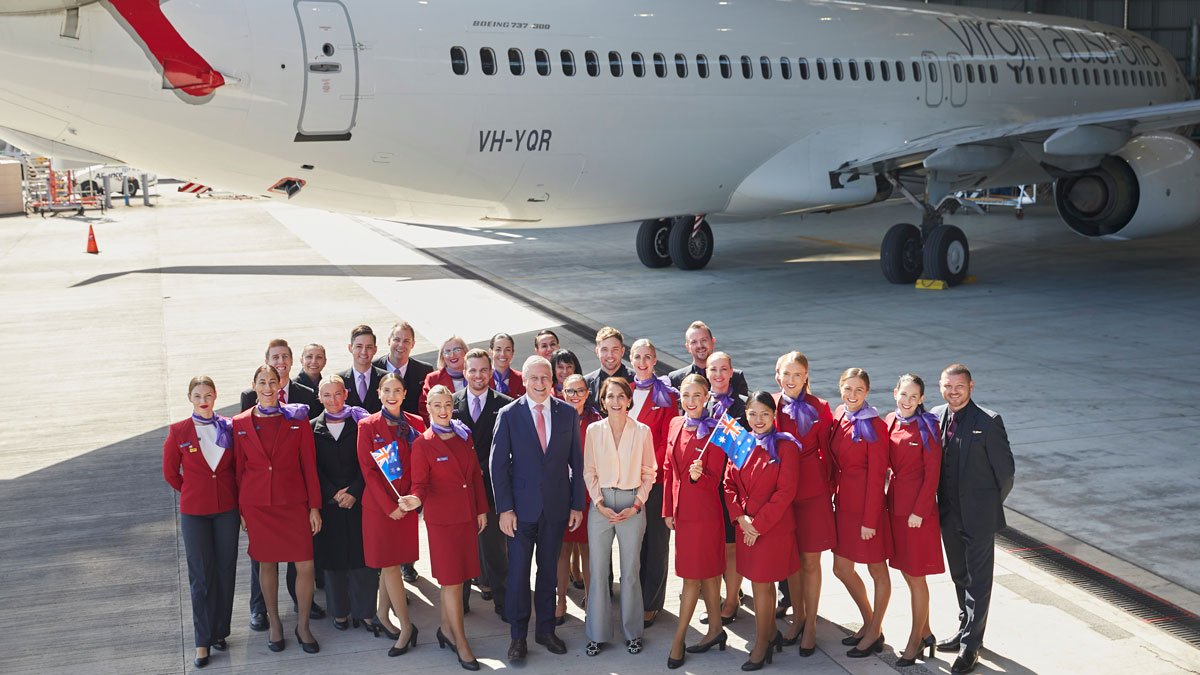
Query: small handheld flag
column 735, row 441
column 388, row 459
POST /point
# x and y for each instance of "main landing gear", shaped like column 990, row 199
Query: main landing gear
column 933, row 251
column 686, row 241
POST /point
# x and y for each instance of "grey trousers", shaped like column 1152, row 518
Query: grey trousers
column 629, row 533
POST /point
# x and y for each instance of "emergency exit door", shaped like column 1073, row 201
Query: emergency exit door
column 330, row 102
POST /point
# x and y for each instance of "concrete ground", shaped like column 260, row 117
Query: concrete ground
column 1085, row 349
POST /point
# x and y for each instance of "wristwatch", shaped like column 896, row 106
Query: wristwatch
column 637, row 507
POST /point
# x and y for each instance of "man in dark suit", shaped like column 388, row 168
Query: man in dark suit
column 279, row 357
column 477, row 406
column 610, row 349
column 412, row 371
column 698, row 340
column 537, row 478
column 362, row 378
column 312, row 362
column 977, row 475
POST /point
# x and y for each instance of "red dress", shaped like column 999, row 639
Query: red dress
column 696, row 507
column 386, row 542
column 277, row 484
column 861, row 472
column 813, row 507
column 764, row 490
column 447, row 479
column 579, row 534
column 916, row 469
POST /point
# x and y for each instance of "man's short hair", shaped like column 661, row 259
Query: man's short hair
column 533, row 360
column 698, row 325
column 277, row 342
column 360, row 330
column 401, row 325
column 609, row 332
column 478, row 353
column 957, row 369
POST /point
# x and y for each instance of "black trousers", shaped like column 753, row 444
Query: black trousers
column 352, row 593
column 655, row 551
column 210, row 544
column 493, row 560
column 543, row 540
column 972, row 560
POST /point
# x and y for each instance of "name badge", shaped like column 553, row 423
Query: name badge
column 976, row 431
column 443, row 459
column 241, row 433
column 191, row 449
column 913, row 443
column 379, row 439
column 294, row 427
column 185, row 444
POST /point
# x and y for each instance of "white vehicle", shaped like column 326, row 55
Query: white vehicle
column 673, row 112
column 89, row 180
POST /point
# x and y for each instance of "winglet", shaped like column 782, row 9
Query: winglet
column 183, row 68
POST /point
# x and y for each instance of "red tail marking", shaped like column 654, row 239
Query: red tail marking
column 183, row 67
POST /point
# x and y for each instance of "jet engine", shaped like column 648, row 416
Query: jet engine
column 1150, row 186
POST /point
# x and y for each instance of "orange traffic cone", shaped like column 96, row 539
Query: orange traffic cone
column 91, row 246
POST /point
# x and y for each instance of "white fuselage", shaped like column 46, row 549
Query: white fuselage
column 427, row 145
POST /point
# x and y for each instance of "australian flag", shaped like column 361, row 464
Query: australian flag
column 388, row 459
column 734, row 440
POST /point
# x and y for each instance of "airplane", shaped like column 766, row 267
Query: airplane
column 673, row 113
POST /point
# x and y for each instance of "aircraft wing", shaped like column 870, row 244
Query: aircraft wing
column 1080, row 134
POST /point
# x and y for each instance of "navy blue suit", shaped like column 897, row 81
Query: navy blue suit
column 542, row 489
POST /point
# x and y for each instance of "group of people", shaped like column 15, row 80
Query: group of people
column 509, row 469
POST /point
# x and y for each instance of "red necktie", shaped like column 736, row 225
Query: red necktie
column 541, row 424
column 283, row 396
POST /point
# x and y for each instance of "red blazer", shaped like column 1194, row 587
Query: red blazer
column 658, row 418
column 683, row 499
column 374, row 432
column 439, row 376
column 916, row 469
column 764, row 489
column 816, row 466
column 861, row 469
column 202, row 491
column 447, row 479
column 516, row 384
column 283, row 474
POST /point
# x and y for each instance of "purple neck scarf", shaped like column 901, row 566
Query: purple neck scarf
column 500, row 381
column 454, row 374
column 456, row 427
column 403, row 428
column 862, row 423
column 768, row 440
column 291, row 411
column 702, row 425
column 660, row 388
column 224, row 435
column 926, row 423
column 347, row 411
column 721, row 403
column 802, row 411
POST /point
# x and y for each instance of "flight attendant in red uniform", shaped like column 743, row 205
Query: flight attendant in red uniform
column 575, row 392
column 760, row 496
column 504, row 379
column 915, row 451
column 447, row 480
column 809, row 420
column 389, row 531
column 452, row 358
column 859, row 445
column 280, row 498
column 692, row 495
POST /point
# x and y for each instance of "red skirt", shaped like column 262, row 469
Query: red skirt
column 278, row 533
column 816, row 530
column 773, row 557
column 387, row 542
column 850, row 544
column 699, row 550
column 453, row 552
column 579, row 534
column 917, row 551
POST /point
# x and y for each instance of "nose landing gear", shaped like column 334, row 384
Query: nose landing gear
column 934, row 251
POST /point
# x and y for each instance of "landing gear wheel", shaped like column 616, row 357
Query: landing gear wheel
column 900, row 254
column 691, row 243
column 947, row 255
column 653, row 245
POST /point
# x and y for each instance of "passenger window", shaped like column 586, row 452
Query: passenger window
column 869, row 70
column 885, row 71
column 1125, row 77
column 970, row 74
column 916, row 68
column 726, row 67
column 1053, row 76
column 747, row 67
column 899, row 71
column 802, row 63
column 458, row 60
column 1017, row 74
column 592, row 62
column 681, row 66
column 822, row 72
column 542, row 58
column 1029, row 74
column 1041, row 75
column 567, row 57
column 785, row 68
column 639, row 64
column 837, row 69
column 1142, row 77
column 702, row 66
column 853, row 70
column 957, row 68
column 994, row 73
column 614, row 64
column 1075, row 76
column 487, row 61
column 933, row 72
column 516, row 62
column 982, row 73
column 765, row 63
column 660, row 64
column 1086, row 77
column 1107, row 79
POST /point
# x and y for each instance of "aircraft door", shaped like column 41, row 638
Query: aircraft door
column 934, row 87
column 331, row 84
column 957, row 79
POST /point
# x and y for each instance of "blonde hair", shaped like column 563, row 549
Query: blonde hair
column 644, row 342
column 441, row 362
column 694, row 378
column 331, row 379
column 850, row 373
column 797, row 358
column 201, row 380
column 438, row 390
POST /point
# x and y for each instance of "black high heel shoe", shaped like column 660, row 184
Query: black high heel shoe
column 308, row 647
column 220, row 645
column 412, row 642
column 376, row 626
column 700, row 648
column 673, row 663
column 788, row 642
column 443, row 641
column 928, row 642
column 275, row 645
column 851, row 640
column 776, row 645
column 473, row 664
column 341, row 624
column 874, row 648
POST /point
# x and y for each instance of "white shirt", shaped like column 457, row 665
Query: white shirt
column 545, row 414
column 335, row 428
column 639, row 400
column 207, row 433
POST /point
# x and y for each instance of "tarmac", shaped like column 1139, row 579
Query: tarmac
column 1086, row 349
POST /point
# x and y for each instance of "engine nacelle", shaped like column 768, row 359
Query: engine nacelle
column 1150, row 186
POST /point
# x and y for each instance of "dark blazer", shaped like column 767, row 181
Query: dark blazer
column 597, row 377
column 338, row 546
column 372, row 402
column 307, row 381
column 977, row 469
column 737, row 382
column 526, row 480
column 296, row 393
column 481, row 430
column 414, row 377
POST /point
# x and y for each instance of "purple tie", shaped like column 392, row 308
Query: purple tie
column 362, row 386
column 476, row 408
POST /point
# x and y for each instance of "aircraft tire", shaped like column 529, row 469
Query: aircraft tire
column 653, row 242
column 691, row 247
column 900, row 254
column 947, row 255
